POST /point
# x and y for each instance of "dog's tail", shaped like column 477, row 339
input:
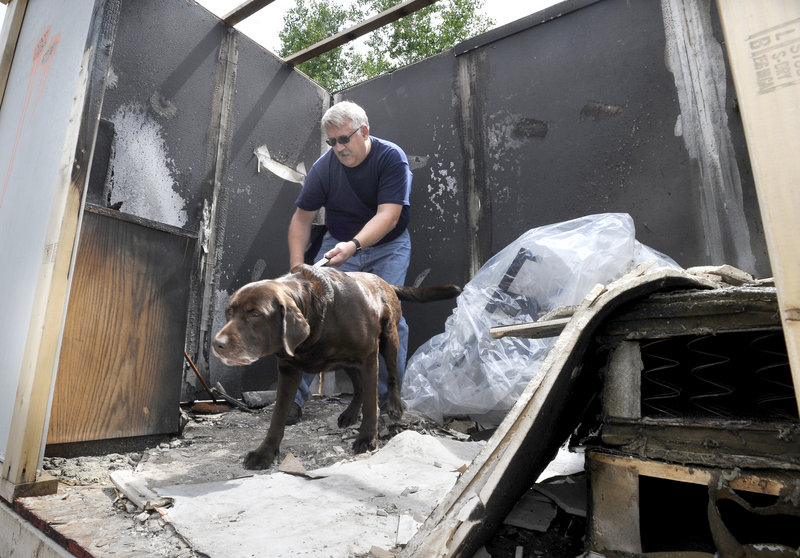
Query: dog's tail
column 427, row 294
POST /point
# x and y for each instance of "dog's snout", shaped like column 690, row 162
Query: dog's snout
column 220, row 342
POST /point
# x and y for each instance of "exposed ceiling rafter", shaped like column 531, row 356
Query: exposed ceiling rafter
column 245, row 10
column 399, row 11
column 388, row 16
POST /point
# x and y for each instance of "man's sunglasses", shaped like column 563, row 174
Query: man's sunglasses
column 344, row 140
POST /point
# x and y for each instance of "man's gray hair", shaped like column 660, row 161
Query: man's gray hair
column 340, row 113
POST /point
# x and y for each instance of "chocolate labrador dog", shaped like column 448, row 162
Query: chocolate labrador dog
column 318, row 319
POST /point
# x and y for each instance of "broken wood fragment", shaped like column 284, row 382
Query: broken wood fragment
column 135, row 490
column 292, row 466
column 533, row 330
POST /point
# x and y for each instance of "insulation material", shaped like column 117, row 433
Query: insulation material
column 141, row 174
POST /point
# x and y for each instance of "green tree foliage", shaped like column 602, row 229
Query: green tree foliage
column 423, row 33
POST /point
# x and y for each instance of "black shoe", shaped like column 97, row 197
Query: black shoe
column 295, row 414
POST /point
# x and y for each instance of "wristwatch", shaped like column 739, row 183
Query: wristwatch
column 357, row 243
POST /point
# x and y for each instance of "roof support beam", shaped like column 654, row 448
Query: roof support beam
column 366, row 26
column 245, row 10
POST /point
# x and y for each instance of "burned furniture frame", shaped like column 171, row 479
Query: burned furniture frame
column 549, row 409
column 697, row 391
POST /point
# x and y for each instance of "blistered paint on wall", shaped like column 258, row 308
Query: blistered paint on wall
column 441, row 183
column 141, row 173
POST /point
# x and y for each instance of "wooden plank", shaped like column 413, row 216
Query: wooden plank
column 614, row 519
column 12, row 23
column 29, row 420
column 533, row 330
column 763, row 44
column 244, row 11
column 136, row 490
column 676, row 313
column 763, row 483
column 727, row 310
column 721, row 444
column 371, row 24
column 530, row 435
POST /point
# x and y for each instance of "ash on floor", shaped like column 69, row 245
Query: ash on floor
column 90, row 511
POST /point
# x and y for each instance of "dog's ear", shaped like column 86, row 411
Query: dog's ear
column 295, row 327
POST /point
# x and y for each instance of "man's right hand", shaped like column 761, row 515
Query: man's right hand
column 340, row 253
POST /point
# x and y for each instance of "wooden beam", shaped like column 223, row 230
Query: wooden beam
column 245, row 10
column 748, row 308
column 614, row 522
column 366, row 26
column 771, row 483
column 12, row 23
column 744, row 444
column 762, row 39
column 531, row 330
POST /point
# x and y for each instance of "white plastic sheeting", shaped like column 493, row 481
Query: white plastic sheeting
column 464, row 371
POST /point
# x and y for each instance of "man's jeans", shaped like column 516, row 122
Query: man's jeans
column 388, row 261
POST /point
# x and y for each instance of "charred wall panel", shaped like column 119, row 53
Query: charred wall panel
column 280, row 109
column 416, row 107
column 594, row 112
column 188, row 101
column 159, row 99
column 580, row 113
column 586, row 108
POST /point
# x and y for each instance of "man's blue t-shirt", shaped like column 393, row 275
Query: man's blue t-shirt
column 351, row 195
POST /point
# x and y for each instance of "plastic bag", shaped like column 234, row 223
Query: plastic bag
column 463, row 371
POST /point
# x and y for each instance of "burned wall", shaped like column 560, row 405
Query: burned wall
column 276, row 112
column 188, row 102
column 587, row 107
column 157, row 112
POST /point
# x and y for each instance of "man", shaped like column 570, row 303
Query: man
column 364, row 183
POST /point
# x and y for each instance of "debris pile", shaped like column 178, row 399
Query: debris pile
column 98, row 509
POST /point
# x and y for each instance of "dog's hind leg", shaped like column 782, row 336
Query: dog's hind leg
column 350, row 415
column 263, row 456
column 388, row 349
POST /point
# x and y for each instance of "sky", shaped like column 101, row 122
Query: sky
column 263, row 27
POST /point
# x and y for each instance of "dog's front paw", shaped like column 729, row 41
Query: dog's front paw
column 257, row 461
column 348, row 417
column 365, row 444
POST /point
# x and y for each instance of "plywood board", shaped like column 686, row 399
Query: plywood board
column 763, row 43
column 122, row 355
column 40, row 121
